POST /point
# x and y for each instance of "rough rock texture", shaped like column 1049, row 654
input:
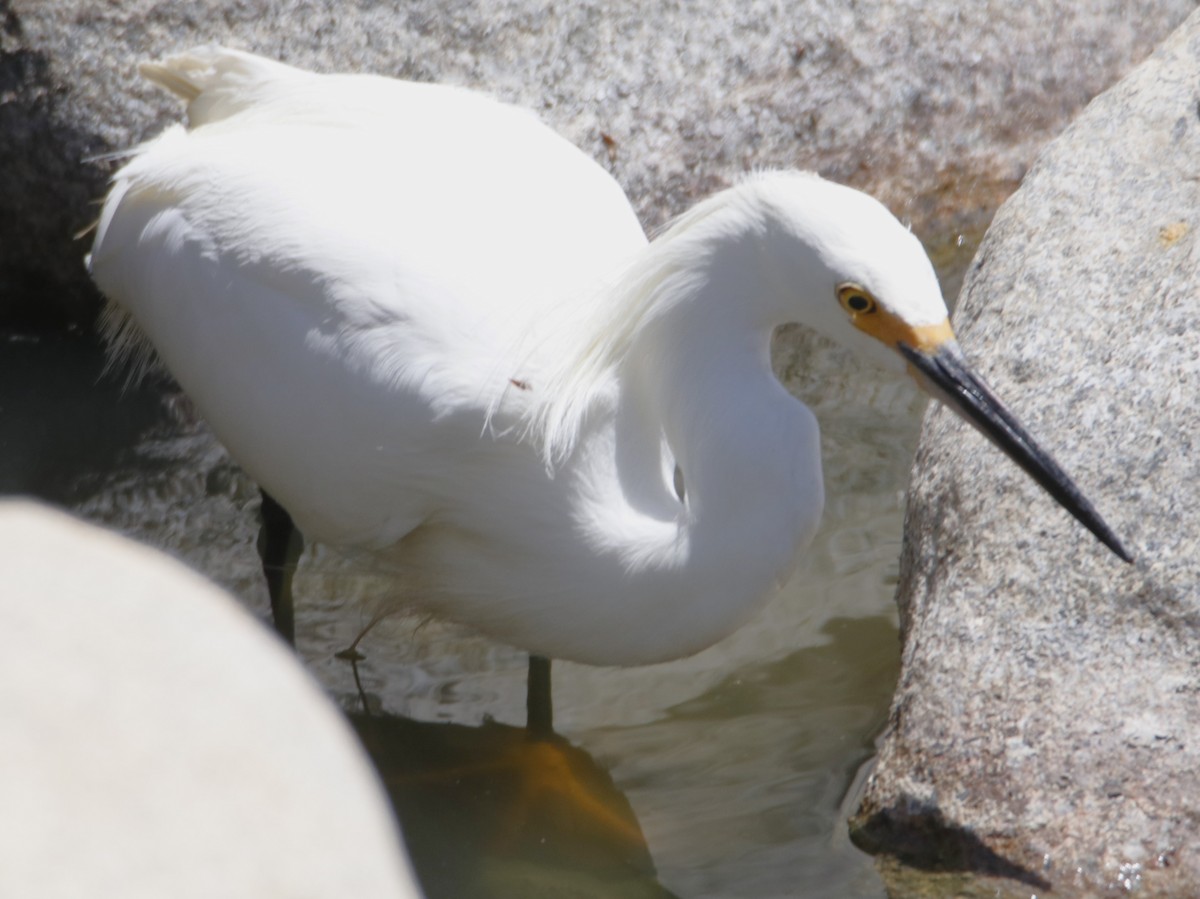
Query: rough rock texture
column 156, row 741
column 935, row 106
column 1047, row 724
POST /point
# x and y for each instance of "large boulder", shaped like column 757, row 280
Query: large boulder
column 1047, row 723
column 157, row 741
column 935, row 106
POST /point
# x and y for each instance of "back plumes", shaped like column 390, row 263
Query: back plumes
column 217, row 82
column 590, row 346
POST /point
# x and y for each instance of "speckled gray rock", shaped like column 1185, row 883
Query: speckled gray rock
column 1047, row 724
column 157, row 741
column 935, row 106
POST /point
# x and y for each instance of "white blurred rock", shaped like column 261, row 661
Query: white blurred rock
column 155, row 741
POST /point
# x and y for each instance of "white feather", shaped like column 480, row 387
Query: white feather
column 395, row 303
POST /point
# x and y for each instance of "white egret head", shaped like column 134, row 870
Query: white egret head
column 792, row 247
column 865, row 281
column 858, row 275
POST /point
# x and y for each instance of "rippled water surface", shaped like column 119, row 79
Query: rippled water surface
column 726, row 774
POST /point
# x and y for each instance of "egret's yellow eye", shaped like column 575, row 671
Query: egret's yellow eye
column 856, row 300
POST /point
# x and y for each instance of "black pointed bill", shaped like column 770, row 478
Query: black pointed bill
column 944, row 372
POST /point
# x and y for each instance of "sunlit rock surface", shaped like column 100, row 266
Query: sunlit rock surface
column 1047, row 725
column 935, row 105
column 155, row 741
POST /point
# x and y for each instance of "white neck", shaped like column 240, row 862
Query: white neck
column 695, row 389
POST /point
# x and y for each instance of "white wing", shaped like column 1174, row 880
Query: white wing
column 339, row 270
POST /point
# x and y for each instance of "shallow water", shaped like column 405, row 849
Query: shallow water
column 726, row 774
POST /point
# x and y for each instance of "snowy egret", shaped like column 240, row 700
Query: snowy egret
column 430, row 327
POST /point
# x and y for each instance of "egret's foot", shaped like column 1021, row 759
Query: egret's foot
column 279, row 547
column 351, row 653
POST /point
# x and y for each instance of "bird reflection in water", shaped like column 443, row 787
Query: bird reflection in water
column 496, row 810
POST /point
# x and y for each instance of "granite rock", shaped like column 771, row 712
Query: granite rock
column 937, row 107
column 1047, row 723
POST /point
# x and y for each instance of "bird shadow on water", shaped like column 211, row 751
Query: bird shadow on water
column 489, row 811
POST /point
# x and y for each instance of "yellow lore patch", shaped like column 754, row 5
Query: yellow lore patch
column 891, row 330
column 888, row 328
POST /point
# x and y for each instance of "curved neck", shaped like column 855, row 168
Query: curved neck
column 744, row 445
column 673, row 369
column 696, row 391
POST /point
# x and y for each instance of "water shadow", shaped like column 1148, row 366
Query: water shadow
column 488, row 811
column 65, row 426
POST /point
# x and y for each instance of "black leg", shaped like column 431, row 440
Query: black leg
column 279, row 546
column 538, row 705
